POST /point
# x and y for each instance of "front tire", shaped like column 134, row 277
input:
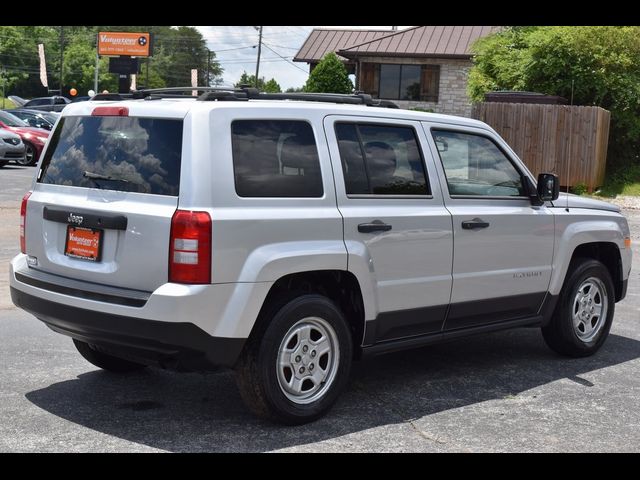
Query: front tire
column 582, row 319
column 104, row 360
column 297, row 361
column 29, row 158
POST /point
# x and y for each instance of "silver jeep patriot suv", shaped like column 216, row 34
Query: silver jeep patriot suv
column 285, row 235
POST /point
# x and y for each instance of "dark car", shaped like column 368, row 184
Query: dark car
column 83, row 98
column 32, row 137
column 36, row 118
column 48, row 104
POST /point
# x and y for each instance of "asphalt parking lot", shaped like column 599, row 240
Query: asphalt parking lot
column 501, row 392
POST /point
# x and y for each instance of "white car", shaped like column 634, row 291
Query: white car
column 285, row 235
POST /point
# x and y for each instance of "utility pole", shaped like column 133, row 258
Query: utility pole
column 208, row 63
column 61, row 55
column 259, row 50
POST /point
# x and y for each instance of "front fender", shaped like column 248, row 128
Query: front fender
column 577, row 233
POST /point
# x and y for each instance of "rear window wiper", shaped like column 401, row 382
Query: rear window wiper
column 99, row 176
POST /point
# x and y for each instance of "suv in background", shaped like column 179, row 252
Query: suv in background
column 285, row 238
column 48, row 104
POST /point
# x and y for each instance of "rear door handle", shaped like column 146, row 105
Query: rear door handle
column 475, row 223
column 375, row 226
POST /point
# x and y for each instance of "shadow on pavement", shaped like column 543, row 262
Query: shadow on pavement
column 195, row 412
column 16, row 167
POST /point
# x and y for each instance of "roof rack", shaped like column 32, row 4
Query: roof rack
column 244, row 94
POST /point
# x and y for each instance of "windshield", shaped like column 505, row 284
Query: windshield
column 10, row 120
column 50, row 117
column 115, row 153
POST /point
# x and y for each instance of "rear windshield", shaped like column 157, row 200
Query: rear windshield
column 115, row 153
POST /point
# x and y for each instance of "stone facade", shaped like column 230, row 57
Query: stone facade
column 452, row 95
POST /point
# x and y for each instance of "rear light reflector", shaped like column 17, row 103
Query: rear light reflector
column 110, row 112
column 190, row 247
column 23, row 222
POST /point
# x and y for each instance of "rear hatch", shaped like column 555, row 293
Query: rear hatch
column 102, row 204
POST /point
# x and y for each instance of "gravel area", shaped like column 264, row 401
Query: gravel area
column 624, row 201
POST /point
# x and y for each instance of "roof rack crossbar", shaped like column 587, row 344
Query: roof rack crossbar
column 245, row 93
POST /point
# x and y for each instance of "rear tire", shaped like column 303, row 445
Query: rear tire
column 2, row 163
column 582, row 319
column 297, row 360
column 104, row 360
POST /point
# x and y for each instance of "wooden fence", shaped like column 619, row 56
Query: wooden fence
column 570, row 141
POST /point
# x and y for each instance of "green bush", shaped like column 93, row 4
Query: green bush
column 580, row 189
column 594, row 65
column 329, row 76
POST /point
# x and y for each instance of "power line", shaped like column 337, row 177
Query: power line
column 284, row 58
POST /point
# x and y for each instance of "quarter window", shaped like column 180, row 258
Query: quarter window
column 475, row 166
column 381, row 160
column 275, row 158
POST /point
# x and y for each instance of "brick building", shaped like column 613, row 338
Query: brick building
column 424, row 66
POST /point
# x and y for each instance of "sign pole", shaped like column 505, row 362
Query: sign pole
column 95, row 77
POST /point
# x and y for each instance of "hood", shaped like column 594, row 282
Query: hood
column 576, row 201
column 40, row 133
column 4, row 133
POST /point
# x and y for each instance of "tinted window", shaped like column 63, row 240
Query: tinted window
column 60, row 101
column 389, row 81
column 410, row 82
column 381, row 160
column 275, row 158
column 474, row 165
column 38, row 102
column 137, row 154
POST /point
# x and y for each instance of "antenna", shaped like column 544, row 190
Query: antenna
column 569, row 159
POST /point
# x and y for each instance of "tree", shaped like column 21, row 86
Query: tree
column 329, row 76
column 270, row 86
column 176, row 51
column 592, row 65
column 295, row 89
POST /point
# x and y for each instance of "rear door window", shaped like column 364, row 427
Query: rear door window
column 381, row 160
column 275, row 158
column 127, row 154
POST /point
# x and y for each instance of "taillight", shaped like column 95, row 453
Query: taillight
column 110, row 112
column 23, row 222
column 190, row 247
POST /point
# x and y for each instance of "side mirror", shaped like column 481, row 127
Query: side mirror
column 548, row 187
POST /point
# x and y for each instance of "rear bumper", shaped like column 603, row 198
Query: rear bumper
column 171, row 345
column 184, row 322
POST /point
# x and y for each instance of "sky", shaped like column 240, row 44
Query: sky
column 236, row 50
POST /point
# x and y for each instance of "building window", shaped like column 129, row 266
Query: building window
column 409, row 82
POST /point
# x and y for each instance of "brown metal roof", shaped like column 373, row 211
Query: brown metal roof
column 320, row 42
column 422, row 41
